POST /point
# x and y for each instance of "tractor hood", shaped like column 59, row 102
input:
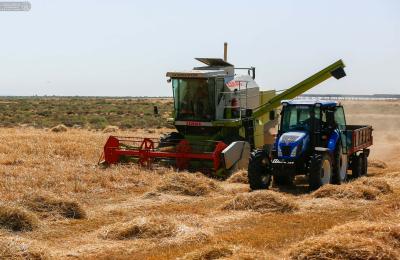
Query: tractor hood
column 291, row 145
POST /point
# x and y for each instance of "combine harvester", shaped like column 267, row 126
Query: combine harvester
column 220, row 117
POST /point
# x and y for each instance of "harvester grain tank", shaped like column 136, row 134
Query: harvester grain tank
column 219, row 116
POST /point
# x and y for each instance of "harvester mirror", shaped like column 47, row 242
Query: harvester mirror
column 253, row 72
column 272, row 115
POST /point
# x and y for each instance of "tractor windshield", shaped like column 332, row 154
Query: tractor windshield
column 296, row 118
column 194, row 99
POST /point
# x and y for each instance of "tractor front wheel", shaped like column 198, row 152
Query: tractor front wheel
column 320, row 171
column 259, row 170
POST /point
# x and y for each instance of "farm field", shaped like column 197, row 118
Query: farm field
column 56, row 203
column 84, row 112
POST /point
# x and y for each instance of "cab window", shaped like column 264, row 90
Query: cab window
column 340, row 118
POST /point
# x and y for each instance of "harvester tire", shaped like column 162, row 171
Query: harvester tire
column 364, row 164
column 356, row 167
column 259, row 170
column 170, row 139
column 320, row 171
column 339, row 174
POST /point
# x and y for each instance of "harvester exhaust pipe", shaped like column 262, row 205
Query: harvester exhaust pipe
column 226, row 51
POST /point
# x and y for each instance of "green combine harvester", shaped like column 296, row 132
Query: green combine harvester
column 220, row 117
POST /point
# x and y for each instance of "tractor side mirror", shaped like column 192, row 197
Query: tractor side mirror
column 271, row 115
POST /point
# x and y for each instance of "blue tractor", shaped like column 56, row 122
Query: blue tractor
column 313, row 140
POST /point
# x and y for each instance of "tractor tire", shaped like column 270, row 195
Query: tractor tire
column 320, row 171
column 259, row 170
column 170, row 139
column 340, row 163
column 364, row 164
column 356, row 167
column 283, row 180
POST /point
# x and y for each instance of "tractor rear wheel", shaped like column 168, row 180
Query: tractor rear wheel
column 259, row 170
column 320, row 171
column 339, row 166
column 356, row 167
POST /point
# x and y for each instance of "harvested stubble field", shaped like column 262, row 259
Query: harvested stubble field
column 57, row 204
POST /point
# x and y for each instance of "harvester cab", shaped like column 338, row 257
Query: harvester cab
column 220, row 116
column 212, row 93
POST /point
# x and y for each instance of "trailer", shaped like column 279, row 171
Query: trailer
column 359, row 138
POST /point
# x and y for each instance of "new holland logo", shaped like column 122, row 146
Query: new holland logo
column 276, row 161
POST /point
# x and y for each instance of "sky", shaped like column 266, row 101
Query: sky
column 125, row 48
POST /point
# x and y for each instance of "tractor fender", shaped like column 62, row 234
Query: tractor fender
column 333, row 140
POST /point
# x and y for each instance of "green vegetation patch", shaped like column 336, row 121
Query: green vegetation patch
column 85, row 112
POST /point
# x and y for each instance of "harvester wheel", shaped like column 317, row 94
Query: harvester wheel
column 364, row 164
column 356, row 166
column 320, row 171
column 259, row 170
column 170, row 139
column 339, row 166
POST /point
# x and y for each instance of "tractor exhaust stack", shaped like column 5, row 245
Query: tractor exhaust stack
column 225, row 51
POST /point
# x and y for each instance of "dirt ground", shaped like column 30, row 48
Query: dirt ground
column 73, row 209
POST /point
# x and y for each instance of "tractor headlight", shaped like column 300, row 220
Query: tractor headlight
column 279, row 151
column 294, row 152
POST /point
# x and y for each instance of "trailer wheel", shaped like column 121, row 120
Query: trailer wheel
column 259, row 170
column 364, row 164
column 320, row 171
column 339, row 166
column 356, row 166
